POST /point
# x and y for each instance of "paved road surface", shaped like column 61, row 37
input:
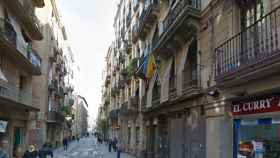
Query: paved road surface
column 87, row 148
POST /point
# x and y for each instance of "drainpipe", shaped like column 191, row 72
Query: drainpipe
column 212, row 45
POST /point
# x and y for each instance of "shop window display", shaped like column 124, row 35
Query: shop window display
column 257, row 138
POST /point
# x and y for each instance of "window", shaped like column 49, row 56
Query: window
column 137, row 137
column 257, row 138
column 129, row 135
column 172, row 78
column 252, row 11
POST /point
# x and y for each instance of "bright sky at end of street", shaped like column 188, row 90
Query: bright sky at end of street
column 89, row 35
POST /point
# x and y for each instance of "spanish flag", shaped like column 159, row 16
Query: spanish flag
column 147, row 67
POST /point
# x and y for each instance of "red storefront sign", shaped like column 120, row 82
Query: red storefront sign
column 262, row 105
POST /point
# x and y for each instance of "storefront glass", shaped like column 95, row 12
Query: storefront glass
column 258, row 138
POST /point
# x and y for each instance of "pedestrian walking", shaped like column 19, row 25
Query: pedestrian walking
column 65, row 144
column 45, row 151
column 115, row 142
column 110, row 145
column 31, row 152
column 3, row 154
column 77, row 138
column 119, row 148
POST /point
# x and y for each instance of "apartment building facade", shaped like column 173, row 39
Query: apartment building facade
column 20, row 61
column 123, row 101
column 54, row 87
column 80, row 114
column 215, row 90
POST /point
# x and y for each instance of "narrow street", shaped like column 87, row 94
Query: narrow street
column 87, row 148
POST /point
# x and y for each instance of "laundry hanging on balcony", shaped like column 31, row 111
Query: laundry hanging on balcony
column 147, row 67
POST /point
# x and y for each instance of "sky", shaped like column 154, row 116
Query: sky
column 89, row 25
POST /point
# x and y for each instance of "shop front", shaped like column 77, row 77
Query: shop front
column 256, row 127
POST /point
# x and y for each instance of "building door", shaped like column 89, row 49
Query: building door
column 163, row 137
column 18, row 139
column 195, row 135
column 176, row 138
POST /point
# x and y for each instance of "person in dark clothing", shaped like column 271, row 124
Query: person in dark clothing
column 45, row 151
column 31, row 152
column 110, row 145
column 119, row 148
column 115, row 142
column 65, row 144
column 78, row 138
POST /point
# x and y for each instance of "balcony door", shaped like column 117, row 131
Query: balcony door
column 190, row 72
column 254, row 35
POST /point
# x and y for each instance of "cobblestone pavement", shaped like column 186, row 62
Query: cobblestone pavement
column 87, row 148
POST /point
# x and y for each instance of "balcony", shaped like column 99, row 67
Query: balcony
column 178, row 27
column 20, row 52
column 114, row 114
column 53, row 85
column 127, row 46
column 60, row 92
column 143, row 103
column 24, row 12
column 148, row 17
column 39, row 3
column 135, row 33
column 55, row 117
column 252, row 54
column 17, row 99
column 128, row 18
column 172, row 88
column 130, row 107
column 156, row 97
column 191, row 88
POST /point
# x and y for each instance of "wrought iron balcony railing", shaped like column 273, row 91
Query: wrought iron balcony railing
column 143, row 103
column 148, row 15
column 254, row 45
column 10, row 92
column 128, row 19
column 20, row 50
column 176, row 18
column 192, row 81
column 135, row 33
column 24, row 11
column 181, row 7
column 8, row 32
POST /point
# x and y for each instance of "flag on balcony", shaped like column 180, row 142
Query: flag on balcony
column 151, row 68
column 147, row 67
column 141, row 70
